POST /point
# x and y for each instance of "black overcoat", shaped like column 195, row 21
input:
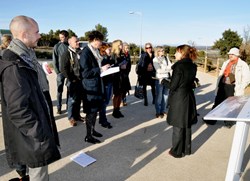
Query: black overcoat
column 28, row 134
column 182, row 105
column 90, row 71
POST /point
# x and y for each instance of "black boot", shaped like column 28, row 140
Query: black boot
column 115, row 113
column 96, row 134
column 120, row 114
column 91, row 139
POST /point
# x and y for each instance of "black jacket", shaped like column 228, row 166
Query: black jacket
column 70, row 67
column 28, row 136
column 91, row 82
column 182, row 105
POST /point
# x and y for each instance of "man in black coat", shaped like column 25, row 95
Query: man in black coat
column 31, row 141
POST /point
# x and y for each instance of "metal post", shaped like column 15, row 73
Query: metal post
column 140, row 14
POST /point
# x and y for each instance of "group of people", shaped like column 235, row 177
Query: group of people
column 27, row 108
column 81, row 68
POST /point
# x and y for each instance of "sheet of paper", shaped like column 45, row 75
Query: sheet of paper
column 83, row 159
column 110, row 71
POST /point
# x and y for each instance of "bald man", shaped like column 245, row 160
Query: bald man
column 70, row 69
column 28, row 135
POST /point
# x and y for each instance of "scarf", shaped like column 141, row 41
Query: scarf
column 96, row 54
column 229, row 67
column 28, row 55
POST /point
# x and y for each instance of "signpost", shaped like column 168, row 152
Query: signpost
column 234, row 109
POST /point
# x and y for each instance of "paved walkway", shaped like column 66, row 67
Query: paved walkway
column 135, row 148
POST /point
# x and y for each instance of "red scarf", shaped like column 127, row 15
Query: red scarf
column 229, row 66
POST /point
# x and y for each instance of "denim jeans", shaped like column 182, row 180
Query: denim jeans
column 108, row 93
column 60, row 83
column 74, row 99
column 161, row 97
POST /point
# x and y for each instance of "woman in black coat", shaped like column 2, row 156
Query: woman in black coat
column 146, row 72
column 90, row 70
column 182, row 105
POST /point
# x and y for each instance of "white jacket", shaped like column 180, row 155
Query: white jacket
column 162, row 66
column 242, row 76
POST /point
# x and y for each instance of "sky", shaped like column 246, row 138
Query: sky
column 163, row 22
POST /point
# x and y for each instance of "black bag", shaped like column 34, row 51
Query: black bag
column 166, row 82
column 138, row 91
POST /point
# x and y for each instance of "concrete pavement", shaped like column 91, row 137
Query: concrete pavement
column 135, row 149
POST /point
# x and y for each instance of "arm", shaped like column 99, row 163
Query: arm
column 55, row 59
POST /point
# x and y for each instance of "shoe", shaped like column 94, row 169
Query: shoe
column 228, row 125
column 107, row 125
column 120, row 114
column 157, row 115
column 173, row 155
column 124, row 104
column 81, row 119
column 161, row 115
column 96, row 134
column 25, row 178
column 91, row 139
column 59, row 111
column 145, row 103
column 115, row 114
column 72, row 122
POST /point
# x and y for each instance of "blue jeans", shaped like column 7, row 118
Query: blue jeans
column 74, row 100
column 161, row 97
column 107, row 96
column 60, row 83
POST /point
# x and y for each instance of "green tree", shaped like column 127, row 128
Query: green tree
column 99, row 28
column 229, row 39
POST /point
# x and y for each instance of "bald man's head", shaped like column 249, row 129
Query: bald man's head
column 25, row 29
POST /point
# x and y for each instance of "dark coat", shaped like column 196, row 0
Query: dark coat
column 91, row 82
column 121, row 83
column 144, row 76
column 28, row 136
column 182, row 105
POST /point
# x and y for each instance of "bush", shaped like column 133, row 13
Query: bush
column 43, row 54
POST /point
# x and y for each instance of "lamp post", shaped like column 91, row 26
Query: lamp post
column 140, row 14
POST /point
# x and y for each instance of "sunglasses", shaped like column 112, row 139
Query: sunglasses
column 148, row 47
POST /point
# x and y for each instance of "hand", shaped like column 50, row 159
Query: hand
column 105, row 67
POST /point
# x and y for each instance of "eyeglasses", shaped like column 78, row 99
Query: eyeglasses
column 148, row 47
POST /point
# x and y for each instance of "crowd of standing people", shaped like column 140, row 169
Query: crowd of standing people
column 27, row 107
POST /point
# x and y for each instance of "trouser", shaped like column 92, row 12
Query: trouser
column 90, row 123
column 74, row 99
column 35, row 174
column 60, row 83
column 181, row 141
column 39, row 174
column 224, row 91
column 160, row 97
column 145, row 92
column 108, row 93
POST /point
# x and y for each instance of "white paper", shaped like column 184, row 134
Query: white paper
column 83, row 159
column 110, row 71
column 46, row 68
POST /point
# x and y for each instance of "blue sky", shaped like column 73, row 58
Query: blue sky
column 163, row 22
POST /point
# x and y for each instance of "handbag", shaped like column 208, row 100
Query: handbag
column 138, row 91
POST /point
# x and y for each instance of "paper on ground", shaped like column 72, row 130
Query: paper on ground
column 110, row 71
column 83, row 159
